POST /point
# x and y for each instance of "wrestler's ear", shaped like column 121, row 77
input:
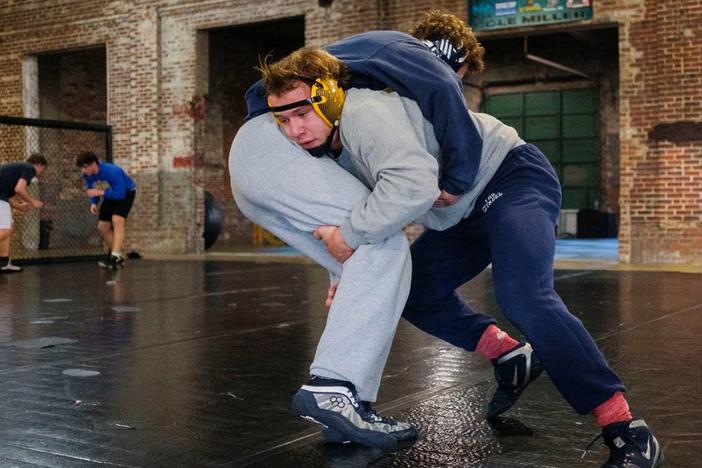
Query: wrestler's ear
column 328, row 100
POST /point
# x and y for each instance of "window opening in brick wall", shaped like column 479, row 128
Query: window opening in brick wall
column 234, row 53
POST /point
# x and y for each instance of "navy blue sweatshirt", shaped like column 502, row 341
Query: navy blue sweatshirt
column 380, row 59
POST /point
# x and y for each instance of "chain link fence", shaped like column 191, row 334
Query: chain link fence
column 64, row 228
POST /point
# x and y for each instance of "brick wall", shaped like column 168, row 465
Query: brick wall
column 661, row 129
column 154, row 68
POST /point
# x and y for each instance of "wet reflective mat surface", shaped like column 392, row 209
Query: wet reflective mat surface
column 193, row 364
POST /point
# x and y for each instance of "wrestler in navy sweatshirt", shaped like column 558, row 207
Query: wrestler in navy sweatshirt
column 381, row 59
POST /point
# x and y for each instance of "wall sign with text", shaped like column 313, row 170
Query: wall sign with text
column 499, row 14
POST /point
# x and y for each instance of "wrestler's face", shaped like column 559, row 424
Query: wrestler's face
column 300, row 124
column 89, row 169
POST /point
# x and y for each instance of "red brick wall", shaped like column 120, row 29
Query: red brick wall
column 402, row 15
column 660, row 97
column 73, row 86
column 153, row 67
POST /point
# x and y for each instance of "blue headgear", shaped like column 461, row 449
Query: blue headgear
column 446, row 51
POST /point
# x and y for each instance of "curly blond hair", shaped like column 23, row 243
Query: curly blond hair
column 440, row 24
column 308, row 62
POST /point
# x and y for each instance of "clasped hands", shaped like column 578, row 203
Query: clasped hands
column 337, row 247
column 341, row 251
column 446, row 199
column 334, row 242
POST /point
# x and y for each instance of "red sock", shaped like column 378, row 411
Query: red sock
column 614, row 410
column 495, row 342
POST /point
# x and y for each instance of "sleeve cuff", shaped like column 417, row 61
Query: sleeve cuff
column 452, row 188
column 353, row 239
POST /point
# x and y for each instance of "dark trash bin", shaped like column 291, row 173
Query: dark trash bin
column 45, row 227
column 595, row 224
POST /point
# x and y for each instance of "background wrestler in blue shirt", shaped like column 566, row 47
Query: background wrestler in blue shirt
column 117, row 202
column 118, row 180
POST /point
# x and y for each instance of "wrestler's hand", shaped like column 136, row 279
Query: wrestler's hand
column 446, row 199
column 22, row 206
column 93, row 209
column 334, row 242
column 330, row 294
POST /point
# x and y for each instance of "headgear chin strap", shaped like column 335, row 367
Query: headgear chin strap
column 325, row 148
column 446, row 51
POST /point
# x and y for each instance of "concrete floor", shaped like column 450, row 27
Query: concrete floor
column 193, row 364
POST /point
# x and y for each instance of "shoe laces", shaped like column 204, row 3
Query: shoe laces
column 373, row 414
column 587, row 449
column 618, row 456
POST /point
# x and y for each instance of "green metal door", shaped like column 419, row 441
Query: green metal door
column 564, row 125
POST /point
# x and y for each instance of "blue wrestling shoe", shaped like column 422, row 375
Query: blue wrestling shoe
column 334, row 404
column 333, row 437
column 514, row 371
column 632, row 445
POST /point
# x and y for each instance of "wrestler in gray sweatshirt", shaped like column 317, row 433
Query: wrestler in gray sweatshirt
column 278, row 185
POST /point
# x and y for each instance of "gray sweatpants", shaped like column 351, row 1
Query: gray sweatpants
column 281, row 187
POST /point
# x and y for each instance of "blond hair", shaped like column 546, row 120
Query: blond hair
column 443, row 25
column 307, row 62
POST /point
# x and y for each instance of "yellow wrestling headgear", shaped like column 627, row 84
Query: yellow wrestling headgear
column 326, row 98
column 331, row 100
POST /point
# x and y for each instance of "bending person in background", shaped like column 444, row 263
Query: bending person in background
column 117, row 201
column 14, row 180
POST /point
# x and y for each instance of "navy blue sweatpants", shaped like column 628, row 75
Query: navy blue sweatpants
column 513, row 227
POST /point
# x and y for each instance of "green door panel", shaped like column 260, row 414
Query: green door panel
column 580, row 101
column 574, row 198
column 505, row 105
column 581, row 150
column 583, row 175
column 544, row 103
column 541, row 128
column 551, row 148
column 564, row 124
column 580, row 126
